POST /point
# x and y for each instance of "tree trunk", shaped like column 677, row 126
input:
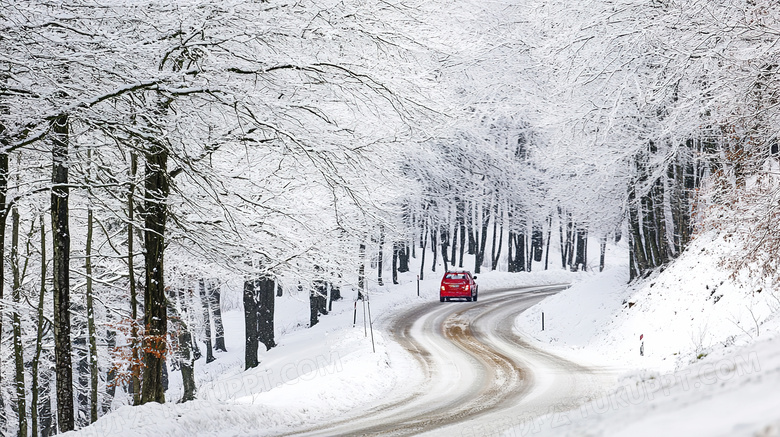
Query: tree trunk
column 603, row 250
column 61, row 273
column 480, row 249
column 39, row 335
column 537, row 242
column 184, row 354
column 462, row 238
column 509, row 258
column 266, row 295
column 549, row 236
column 381, row 253
column 564, row 246
column 361, row 270
column 187, row 363
column 422, row 260
column 317, row 296
column 82, row 366
column 471, row 219
column 93, row 358
column 45, row 416
column 434, row 246
column 444, row 241
column 3, row 217
column 403, row 257
column 496, row 251
column 135, row 365
column 21, row 396
column 581, row 259
column 454, row 252
column 204, row 300
column 251, row 322
column 215, row 295
column 155, row 309
column 395, row 263
column 520, row 261
column 111, row 380
column 570, row 241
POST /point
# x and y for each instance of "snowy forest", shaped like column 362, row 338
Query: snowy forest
column 157, row 156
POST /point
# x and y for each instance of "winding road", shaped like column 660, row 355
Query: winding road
column 476, row 376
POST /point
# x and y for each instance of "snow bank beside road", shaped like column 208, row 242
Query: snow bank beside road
column 692, row 309
column 711, row 364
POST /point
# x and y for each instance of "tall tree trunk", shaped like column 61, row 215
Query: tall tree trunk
column 434, row 246
column 549, row 237
column 39, row 335
column 82, row 366
column 480, row 249
column 157, row 189
column 537, row 242
column 93, row 358
column 135, row 366
column 204, row 300
column 61, row 273
column 45, row 414
column 21, row 396
column 380, row 255
column 317, row 295
column 496, row 251
column 510, row 265
column 187, row 363
column 185, row 354
column 215, row 295
column 637, row 258
column 111, row 380
column 395, row 263
column 361, row 270
column 3, row 218
column 422, row 260
column 403, row 257
column 564, row 245
column 454, row 252
column 251, row 322
column 471, row 219
column 444, row 241
column 462, row 238
column 266, row 289
column 603, row 251
column 520, row 258
column 581, row 261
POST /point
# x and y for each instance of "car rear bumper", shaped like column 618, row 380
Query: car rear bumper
column 458, row 293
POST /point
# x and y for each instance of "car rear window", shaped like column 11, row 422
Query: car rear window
column 457, row 276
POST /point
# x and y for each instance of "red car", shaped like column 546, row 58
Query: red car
column 458, row 285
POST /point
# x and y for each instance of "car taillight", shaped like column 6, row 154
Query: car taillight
column 442, row 288
column 468, row 287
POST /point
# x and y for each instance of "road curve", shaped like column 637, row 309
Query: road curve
column 474, row 372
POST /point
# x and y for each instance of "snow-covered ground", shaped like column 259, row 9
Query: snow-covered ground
column 710, row 362
column 313, row 375
column 711, row 354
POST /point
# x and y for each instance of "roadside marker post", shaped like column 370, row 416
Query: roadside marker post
column 418, row 285
column 642, row 345
column 542, row 320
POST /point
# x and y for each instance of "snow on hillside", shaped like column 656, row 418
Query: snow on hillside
column 711, row 361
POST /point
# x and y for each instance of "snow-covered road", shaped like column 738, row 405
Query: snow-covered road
column 476, row 375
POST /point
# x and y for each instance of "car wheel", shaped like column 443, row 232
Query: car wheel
column 468, row 299
column 441, row 299
column 475, row 297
